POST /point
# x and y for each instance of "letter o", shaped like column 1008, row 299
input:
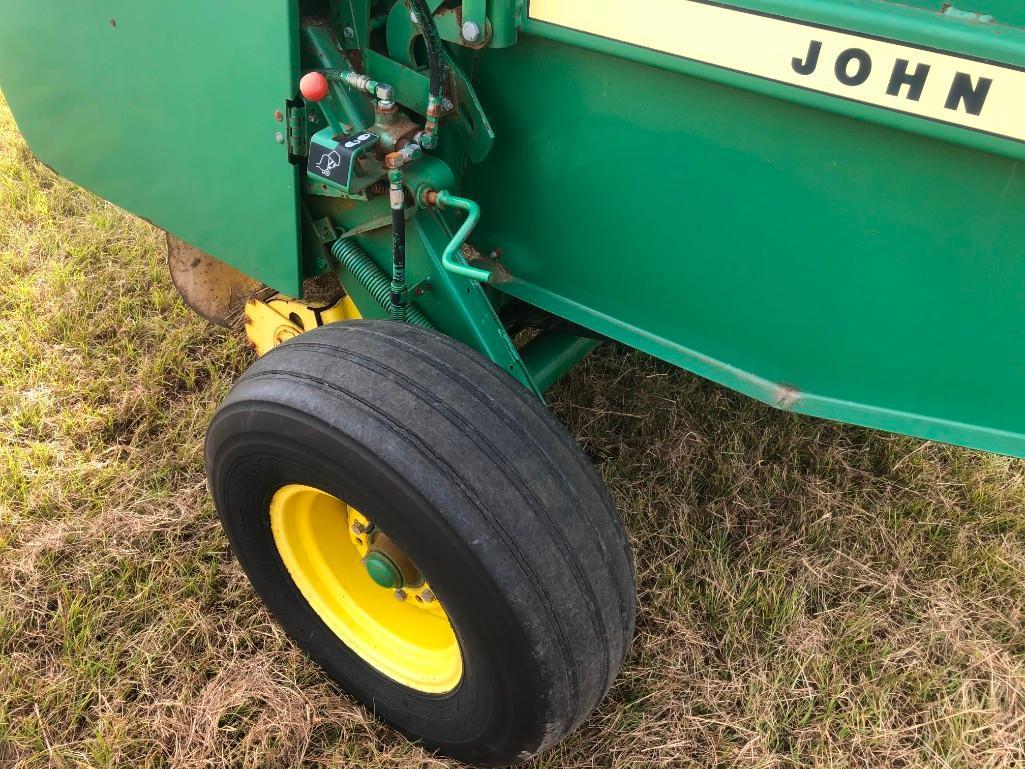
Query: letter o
column 861, row 74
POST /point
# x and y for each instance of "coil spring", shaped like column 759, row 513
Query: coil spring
column 353, row 258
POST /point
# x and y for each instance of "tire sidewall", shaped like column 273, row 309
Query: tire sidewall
column 492, row 716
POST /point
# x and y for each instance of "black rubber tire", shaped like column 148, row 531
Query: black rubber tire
column 480, row 485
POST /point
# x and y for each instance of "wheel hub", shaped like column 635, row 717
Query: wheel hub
column 365, row 589
column 383, row 570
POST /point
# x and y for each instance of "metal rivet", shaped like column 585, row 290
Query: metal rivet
column 279, row 115
column 471, row 31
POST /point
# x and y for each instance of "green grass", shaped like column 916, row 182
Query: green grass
column 811, row 594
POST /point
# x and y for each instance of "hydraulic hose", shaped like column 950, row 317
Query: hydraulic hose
column 353, row 258
column 429, row 30
column 436, row 63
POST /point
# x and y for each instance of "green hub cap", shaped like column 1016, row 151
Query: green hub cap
column 383, row 570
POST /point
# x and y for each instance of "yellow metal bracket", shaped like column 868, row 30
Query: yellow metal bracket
column 277, row 320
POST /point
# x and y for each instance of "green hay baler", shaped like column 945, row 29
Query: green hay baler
column 425, row 212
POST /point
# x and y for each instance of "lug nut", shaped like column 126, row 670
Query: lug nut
column 400, row 595
column 428, row 596
column 358, row 528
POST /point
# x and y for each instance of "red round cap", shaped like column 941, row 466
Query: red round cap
column 314, row 87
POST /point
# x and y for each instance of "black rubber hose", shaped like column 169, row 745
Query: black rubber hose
column 397, row 297
column 425, row 20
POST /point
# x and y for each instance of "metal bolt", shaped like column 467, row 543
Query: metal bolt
column 349, row 32
column 414, row 18
column 279, row 137
column 400, row 595
column 428, row 596
column 471, row 31
column 447, row 105
column 358, row 528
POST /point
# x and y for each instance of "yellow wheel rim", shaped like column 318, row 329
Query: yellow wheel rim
column 404, row 634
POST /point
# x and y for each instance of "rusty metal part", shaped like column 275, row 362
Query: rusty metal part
column 394, row 128
column 211, row 288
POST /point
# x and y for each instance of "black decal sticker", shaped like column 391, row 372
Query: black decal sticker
column 334, row 162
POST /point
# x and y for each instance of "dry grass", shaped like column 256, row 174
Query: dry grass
column 811, row 594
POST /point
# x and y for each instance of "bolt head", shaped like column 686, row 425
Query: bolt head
column 400, row 595
column 279, row 137
column 349, row 32
column 471, row 31
column 447, row 105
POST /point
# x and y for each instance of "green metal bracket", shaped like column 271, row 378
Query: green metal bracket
column 551, row 355
column 498, row 22
column 475, row 11
column 467, row 117
column 325, row 230
column 338, row 162
column 357, row 114
column 505, row 22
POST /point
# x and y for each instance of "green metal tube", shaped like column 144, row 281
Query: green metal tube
column 353, row 258
column 551, row 354
column 448, row 200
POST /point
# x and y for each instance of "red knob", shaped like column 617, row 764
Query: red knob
column 314, row 87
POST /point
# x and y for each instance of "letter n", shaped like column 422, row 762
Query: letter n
column 973, row 96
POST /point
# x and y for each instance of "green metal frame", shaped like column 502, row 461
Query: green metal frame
column 820, row 255
column 817, row 253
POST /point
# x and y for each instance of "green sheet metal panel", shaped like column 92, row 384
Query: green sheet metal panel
column 168, row 110
column 818, row 262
